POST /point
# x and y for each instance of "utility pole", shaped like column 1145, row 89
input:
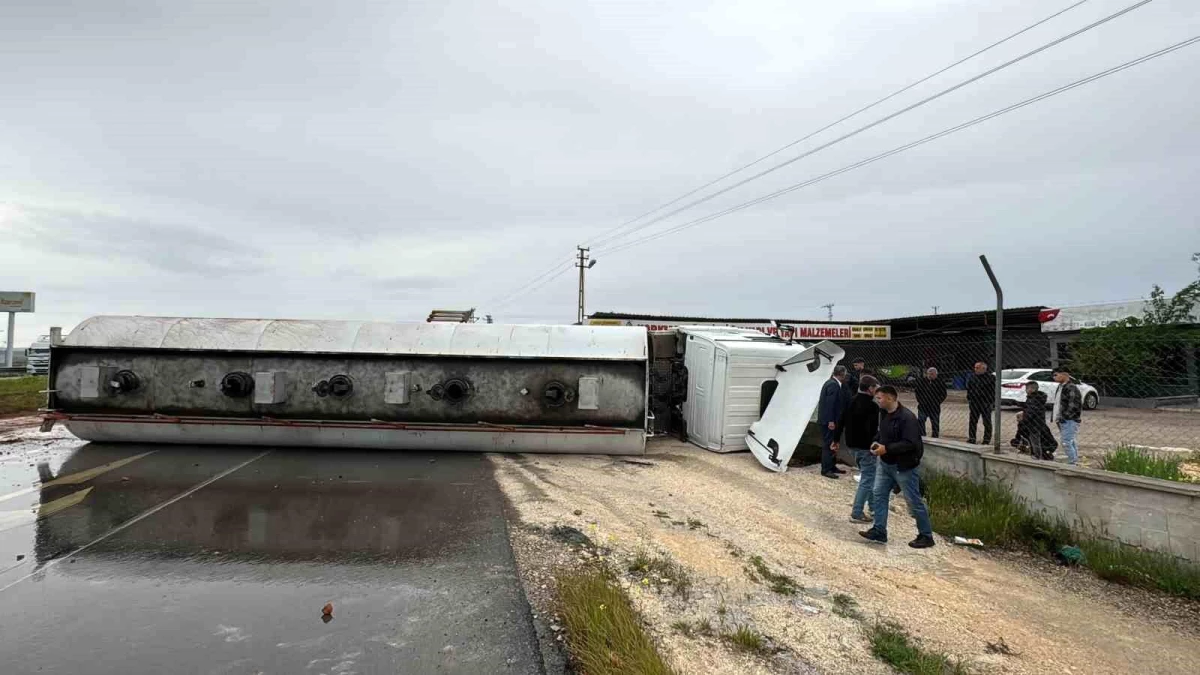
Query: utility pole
column 935, row 309
column 583, row 263
column 828, row 311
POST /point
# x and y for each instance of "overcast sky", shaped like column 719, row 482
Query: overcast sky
column 375, row 160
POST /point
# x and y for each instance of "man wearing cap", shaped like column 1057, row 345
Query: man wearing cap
column 1068, row 409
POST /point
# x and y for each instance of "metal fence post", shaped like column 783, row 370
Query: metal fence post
column 999, row 350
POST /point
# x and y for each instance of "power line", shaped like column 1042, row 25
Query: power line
column 909, row 146
column 515, row 296
column 886, row 118
column 612, row 234
column 503, row 299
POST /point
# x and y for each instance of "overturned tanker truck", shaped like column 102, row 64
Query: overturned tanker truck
column 405, row 386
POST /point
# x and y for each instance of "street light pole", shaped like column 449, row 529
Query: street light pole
column 582, row 263
column 999, row 349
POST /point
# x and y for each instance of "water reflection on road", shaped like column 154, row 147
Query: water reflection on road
column 217, row 559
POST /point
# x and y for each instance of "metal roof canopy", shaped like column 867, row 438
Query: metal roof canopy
column 624, row 343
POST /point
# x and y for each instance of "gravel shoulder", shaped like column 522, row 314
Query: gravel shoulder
column 712, row 512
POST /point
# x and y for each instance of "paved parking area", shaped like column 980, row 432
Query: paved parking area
column 1171, row 429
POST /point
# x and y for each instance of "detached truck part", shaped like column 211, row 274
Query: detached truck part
column 418, row 386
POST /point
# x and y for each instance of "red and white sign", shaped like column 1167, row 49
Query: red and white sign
column 804, row 331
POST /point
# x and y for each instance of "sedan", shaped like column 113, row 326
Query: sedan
column 1012, row 386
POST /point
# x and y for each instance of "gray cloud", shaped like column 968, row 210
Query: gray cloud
column 125, row 244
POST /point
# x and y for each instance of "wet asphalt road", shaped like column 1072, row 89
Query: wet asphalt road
column 145, row 559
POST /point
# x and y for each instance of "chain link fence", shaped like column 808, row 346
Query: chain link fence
column 1140, row 385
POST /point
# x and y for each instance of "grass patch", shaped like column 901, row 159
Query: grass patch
column 694, row 524
column 846, row 606
column 1147, row 569
column 661, row 570
column 604, row 633
column 746, row 639
column 890, row 644
column 1141, row 462
column 992, row 513
column 662, row 514
column 780, row 583
column 20, row 394
column 703, row 627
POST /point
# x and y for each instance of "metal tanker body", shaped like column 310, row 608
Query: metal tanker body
column 409, row 386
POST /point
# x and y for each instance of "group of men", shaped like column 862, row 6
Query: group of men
column 1033, row 434
column 887, row 438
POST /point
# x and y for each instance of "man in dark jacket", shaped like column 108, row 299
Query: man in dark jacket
column 858, row 368
column 981, row 399
column 1068, row 410
column 1032, row 431
column 829, row 411
column 860, row 422
column 899, row 448
column 930, row 391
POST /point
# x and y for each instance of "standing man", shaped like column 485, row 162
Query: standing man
column 899, row 449
column 861, row 422
column 829, row 411
column 857, row 370
column 930, row 391
column 981, row 398
column 1068, row 409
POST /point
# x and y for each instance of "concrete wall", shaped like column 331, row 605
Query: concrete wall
column 1144, row 512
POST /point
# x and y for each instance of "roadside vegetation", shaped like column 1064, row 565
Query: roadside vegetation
column 1142, row 462
column 991, row 512
column 21, row 394
column 759, row 572
column 660, row 570
column 605, row 635
column 893, row 646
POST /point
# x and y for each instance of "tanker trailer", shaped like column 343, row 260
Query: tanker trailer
column 343, row 384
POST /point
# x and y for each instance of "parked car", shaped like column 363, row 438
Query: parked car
column 1012, row 386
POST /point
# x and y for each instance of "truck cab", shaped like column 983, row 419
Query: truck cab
column 37, row 357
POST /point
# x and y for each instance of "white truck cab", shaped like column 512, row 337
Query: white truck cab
column 37, row 357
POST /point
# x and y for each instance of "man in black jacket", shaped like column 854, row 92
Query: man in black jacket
column 829, row 411
column 858, row 368
column 899, row 448
column 860, row 422
column 930, row 391
column 1032, row 431
column 981, row 398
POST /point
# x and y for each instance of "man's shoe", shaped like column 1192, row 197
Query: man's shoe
column 895, row 489
column 922, row 541
column 972, row 441
column 873, row 536
column 861, row 519
column 830, row 474
column 837, row 470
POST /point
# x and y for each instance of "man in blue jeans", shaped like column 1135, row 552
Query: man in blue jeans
column 899, row 448
column 1068, row 408
column 860, row 422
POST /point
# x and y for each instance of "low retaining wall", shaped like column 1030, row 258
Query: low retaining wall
column 1145, row 512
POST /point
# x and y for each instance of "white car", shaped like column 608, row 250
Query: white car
column 1012, row 386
